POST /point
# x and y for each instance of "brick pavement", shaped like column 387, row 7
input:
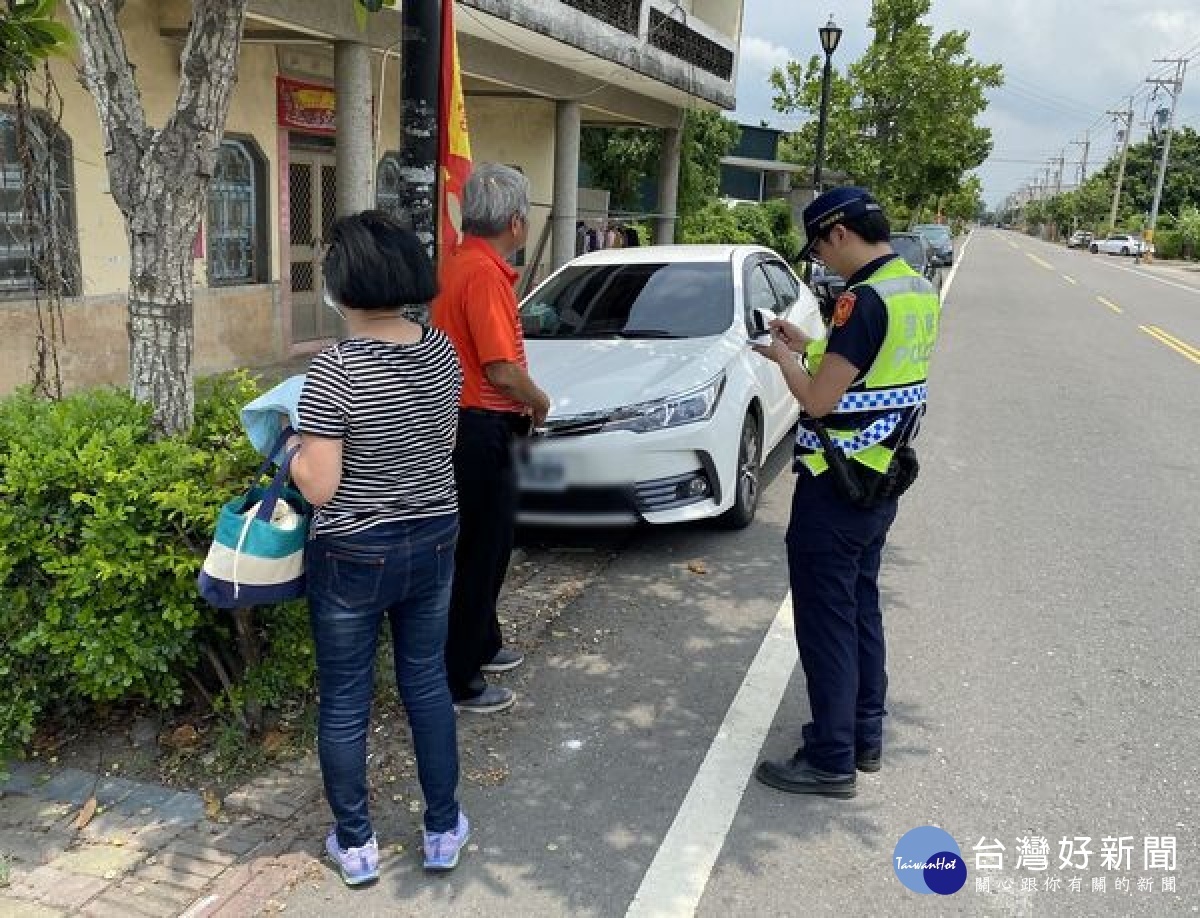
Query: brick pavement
column 151, row 852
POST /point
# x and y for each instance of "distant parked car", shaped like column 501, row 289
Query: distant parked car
column 1080, row 239
column 916, row 250
column 939, row 237
column 1118, row 244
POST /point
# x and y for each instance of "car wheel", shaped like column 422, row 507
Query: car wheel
column 747, row 483
column 1124, row 250
column 1095, row 250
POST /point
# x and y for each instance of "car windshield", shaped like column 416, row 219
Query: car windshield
column 680, row 300
column 911, row 249
column 935, row 231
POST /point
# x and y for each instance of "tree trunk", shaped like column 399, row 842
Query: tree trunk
column 159, row 180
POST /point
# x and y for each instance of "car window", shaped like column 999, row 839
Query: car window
column 759, row 293
column 786, row 286
column 911, row 249
column 935, row 231
column 680, row 300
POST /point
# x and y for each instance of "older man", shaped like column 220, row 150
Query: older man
column 477, row 309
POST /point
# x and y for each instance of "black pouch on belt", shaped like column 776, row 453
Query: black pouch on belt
column 862, row 486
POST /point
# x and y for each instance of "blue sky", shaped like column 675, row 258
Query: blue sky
column 1066, row 64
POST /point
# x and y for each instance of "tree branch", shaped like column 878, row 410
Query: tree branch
column 108, row 74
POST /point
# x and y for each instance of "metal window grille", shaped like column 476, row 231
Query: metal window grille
column 688, row 45
column 232, row 217
column 625, row 15
column 20, row 248
column 300, row 195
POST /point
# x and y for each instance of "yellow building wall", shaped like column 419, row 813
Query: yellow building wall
column 519, row 132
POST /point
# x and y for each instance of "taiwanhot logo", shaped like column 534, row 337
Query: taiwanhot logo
column 927, row 860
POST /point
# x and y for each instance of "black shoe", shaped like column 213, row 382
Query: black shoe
column 796, row 776
column 870, row 761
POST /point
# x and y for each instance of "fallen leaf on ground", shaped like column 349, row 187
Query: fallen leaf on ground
column 697, row 567
column 183, row 737
column 86, row 814
column 212, row 804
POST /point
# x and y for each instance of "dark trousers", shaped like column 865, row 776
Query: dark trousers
column 834, row 551
column 401, row 571
column 487, row 512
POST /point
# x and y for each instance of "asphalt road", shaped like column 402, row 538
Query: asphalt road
column 1042, row 591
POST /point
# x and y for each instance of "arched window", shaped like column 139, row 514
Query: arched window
column 388, row 184
column 46, row 241
column 236, row 248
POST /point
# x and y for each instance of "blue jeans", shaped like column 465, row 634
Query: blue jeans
column 834, row 551
column 404, row 571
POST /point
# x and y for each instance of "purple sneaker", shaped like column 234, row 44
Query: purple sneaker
column 442, row 848
column 357, row 865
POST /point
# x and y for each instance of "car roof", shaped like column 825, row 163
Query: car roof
column 645, row 254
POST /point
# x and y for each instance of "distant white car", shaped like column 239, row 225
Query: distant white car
column 1118, row 244
column 661, row 411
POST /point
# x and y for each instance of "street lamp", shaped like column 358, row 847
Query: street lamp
column 830, row 36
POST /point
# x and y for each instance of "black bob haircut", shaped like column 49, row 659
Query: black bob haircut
column 869, row 227
column 374, row 262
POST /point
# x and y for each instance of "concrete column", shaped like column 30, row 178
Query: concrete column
column 565, row 205
column 668, row 186
column 355, row 136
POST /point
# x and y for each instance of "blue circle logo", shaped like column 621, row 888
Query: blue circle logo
column 927, row 860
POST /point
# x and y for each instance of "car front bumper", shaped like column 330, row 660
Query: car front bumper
column 621, row 478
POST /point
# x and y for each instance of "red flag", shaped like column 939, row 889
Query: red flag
column 454, row 144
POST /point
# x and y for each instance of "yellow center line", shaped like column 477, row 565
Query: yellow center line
column 1038, row 261
column 1069, row 279
column 1110, row 304
column 1181, row 347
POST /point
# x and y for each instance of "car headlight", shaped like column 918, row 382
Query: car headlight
column 686, row 408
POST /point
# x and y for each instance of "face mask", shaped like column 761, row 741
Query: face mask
column 332, row 303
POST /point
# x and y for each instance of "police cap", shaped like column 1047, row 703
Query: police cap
column 833, row 207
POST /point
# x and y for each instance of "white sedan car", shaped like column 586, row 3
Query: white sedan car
column 661, row 411
column 1118, row 244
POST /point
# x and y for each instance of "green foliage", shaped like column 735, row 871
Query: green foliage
column 103, row 529
column 768, row 224
column 902, row 120
column 363, row 9
column 620, row 159
column 1188, row 227
column 1168, row 244
column 28, row 34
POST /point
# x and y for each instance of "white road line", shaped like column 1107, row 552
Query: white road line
column 957, row 264
column 1153, row 277
column 676, row 879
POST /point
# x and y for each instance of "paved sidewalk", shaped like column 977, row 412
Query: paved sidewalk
column 151, row 851
column 154, row 852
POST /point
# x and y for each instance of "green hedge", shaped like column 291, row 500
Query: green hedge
column 1168, row 244
column 102, row 532
column 768, row 224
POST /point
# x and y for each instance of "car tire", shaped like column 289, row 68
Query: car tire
column 1095, row 249
column 747, row 482
column 1124, row 250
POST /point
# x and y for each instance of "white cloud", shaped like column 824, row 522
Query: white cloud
column 761, row 55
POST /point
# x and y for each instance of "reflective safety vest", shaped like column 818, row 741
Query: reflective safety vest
column 873, row 410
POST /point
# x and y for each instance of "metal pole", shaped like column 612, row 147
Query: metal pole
column 1177, row 89
column 420, row 80
column 820, row 152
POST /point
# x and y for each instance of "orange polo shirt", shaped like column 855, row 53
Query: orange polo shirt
column 477, row 309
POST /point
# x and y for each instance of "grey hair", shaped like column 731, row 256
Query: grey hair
column 494, row 194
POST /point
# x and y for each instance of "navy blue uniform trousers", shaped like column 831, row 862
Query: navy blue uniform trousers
column 834, row 550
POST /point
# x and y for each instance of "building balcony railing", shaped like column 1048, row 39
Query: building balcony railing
column 625, row 15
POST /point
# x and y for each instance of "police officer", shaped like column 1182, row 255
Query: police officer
column 862, row 391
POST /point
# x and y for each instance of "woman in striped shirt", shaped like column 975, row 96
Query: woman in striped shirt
column 378, row 418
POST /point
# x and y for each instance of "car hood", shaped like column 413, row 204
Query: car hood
column 591, row 376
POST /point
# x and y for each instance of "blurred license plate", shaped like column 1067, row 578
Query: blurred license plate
column 541, row 475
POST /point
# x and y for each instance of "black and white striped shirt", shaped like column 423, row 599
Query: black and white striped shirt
column 395, row 409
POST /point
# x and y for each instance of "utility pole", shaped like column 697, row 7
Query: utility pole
column 1175, row 87
column 1126, row 119
column 421, row 73
column 1086, row 143
column 1062, row 161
